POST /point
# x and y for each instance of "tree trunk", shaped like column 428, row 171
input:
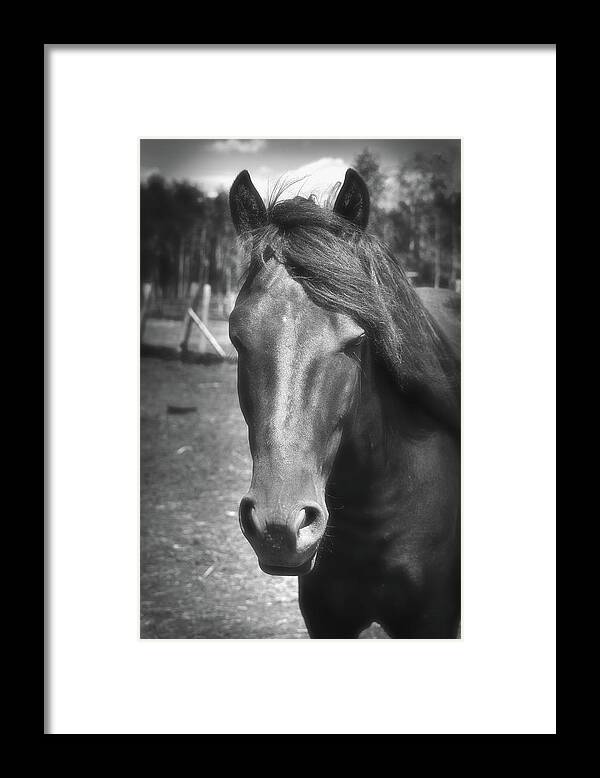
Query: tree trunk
column 453, row 269
column 416, row 226
column 438, row 252
column 180, row 270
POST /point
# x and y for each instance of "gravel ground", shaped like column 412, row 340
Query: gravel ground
column 199, row 576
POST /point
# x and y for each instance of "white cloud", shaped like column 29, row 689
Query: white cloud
column 146, row 172
column 241, row 146
column 315, row 178
column 213, row 184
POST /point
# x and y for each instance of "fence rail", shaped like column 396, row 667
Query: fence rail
column 175, row 308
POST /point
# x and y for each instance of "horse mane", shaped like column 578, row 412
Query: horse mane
column 347, row 270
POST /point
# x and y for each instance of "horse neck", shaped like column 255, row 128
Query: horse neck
column 379, row 446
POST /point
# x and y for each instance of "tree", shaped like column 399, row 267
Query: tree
column 367, row 164
column 185, row 237
column 434, row 218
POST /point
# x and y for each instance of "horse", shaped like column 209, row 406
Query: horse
column 349, row 383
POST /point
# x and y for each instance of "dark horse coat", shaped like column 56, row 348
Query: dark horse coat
column 348, row 379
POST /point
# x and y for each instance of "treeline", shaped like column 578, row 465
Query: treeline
column 422, row 222
column 187, row 236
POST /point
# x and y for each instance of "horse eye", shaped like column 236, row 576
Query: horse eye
column 353, row 346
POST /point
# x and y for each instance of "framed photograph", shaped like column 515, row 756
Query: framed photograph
column 309, row 309
column 292, row 354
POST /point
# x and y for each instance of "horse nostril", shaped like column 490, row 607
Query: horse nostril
column 247, row 515
column 307, row 516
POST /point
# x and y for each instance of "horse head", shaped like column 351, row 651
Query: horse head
column 298, row 369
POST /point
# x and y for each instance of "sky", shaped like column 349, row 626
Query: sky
column 213, row 164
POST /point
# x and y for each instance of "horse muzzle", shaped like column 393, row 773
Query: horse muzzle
column 284, row 544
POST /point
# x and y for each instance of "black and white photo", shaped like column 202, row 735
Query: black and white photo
column 300, row 381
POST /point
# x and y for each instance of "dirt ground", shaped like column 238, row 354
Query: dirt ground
column 199, row 576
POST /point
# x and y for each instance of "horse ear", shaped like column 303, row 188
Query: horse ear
column 353, row 200
column 247, row 208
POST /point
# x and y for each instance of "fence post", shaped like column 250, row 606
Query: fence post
column 146, row 294
column 194, row 298
column 204, row 311
column 229, row 296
